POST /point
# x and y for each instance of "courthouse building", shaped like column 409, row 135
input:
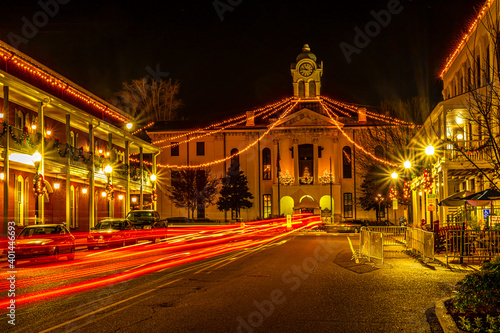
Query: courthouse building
column 297, row 154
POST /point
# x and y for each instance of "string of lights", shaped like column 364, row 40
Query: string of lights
column 330, row 112
column 222, row 160
column 236, row 119
column 222, row 128
column 384, row 118
column 66, row 88
column 465, row 37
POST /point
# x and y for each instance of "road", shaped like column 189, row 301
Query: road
column 305, row 282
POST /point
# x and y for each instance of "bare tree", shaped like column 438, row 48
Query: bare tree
column 150, row 100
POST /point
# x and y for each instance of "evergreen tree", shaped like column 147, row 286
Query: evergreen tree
column 235, row 193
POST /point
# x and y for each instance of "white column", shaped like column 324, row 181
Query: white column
column 296, row 171
column 315, row 160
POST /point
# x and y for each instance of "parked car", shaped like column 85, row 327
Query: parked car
column 45, row 240
column 111, row 232
column 178, row 220
column 148, row 224
column 349, row 225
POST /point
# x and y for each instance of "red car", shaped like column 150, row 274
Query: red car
column 45, row 240
column 111, row 232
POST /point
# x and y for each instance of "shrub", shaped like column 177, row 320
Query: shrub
column 480, row 291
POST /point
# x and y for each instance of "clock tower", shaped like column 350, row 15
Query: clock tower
column 306, row 75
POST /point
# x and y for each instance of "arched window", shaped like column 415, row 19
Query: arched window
column 302, row 90
column 235, row 159
column 379, row 151
column 347, row 162
column 266, row 164
column 312, row 89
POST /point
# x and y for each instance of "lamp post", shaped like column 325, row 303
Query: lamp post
column 153, row 191
column 108, row 170
column 38, row 186
column 379, row 199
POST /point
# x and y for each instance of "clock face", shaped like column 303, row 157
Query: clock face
column 306, row 69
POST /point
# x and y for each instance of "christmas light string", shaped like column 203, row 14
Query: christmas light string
column 50, row 79
column 386, row 119
column 237, row 119
column 222, row 128
column 465, row 37
column 222, row 160
column 329, row 112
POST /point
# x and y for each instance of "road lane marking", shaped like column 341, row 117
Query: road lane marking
column 109, row 306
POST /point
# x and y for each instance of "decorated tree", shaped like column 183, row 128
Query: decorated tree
column 235, row 193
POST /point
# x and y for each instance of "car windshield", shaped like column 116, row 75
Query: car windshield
column 109, row 225
column 139, row 215
column 38, row 231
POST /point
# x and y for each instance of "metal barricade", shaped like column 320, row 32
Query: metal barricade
column 371, row 244
column 420, row 242
column 392, row 235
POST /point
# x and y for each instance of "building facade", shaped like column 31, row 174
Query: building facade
column 463, row 128
column 298, row 154
column 56, row 140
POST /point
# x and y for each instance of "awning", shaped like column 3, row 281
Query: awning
column 455, row 200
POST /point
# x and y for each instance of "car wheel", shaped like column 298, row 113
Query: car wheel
column 356, row 230
column 56, row 254
column 71, row 255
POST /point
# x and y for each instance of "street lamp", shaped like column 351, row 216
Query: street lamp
column 429, row 150
column 379, row 199
column 394, row 175
column 153, row 191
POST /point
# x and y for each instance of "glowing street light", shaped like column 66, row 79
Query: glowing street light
column 394, row 175
column 108, row 169
column 407, row 164
column 129, row 125
column 429, row 150
column 153, row 177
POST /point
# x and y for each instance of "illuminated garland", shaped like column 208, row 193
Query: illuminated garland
column 406, row 190
column 237, row 120
column 327, row 178
column 24, row 137
column 110, row 193
column 215, row 131
column 329, row 112
column 285, row 178
column 222, row 160
column 39, row 188
column 306, row 178
column 352, row 108
column 50, row 79
column 465, row 37
column 428, row 182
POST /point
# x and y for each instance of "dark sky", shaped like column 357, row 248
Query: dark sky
column 243, row 61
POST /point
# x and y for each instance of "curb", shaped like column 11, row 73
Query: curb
column 447, row 322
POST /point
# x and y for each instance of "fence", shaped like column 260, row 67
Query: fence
column 471, row 245
column 420, row 242
column 371, row 244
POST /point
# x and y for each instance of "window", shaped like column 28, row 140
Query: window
column 302, row 89
column 312, row 89
column 18, row 200
column 235, row 159
column 306, row 166
column 174, row 149
column 320, row 151
column 200, row 211
column 266, row 164
column 267, row 205
column 19, row 119
column 200, row 148
column 348, row 205
column 27, row 186
column 347, row 162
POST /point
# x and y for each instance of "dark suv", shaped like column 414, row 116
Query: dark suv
column 148, row 224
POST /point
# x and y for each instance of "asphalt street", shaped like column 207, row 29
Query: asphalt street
column 304, row 283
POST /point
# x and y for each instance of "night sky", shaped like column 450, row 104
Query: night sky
column 244, row 60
